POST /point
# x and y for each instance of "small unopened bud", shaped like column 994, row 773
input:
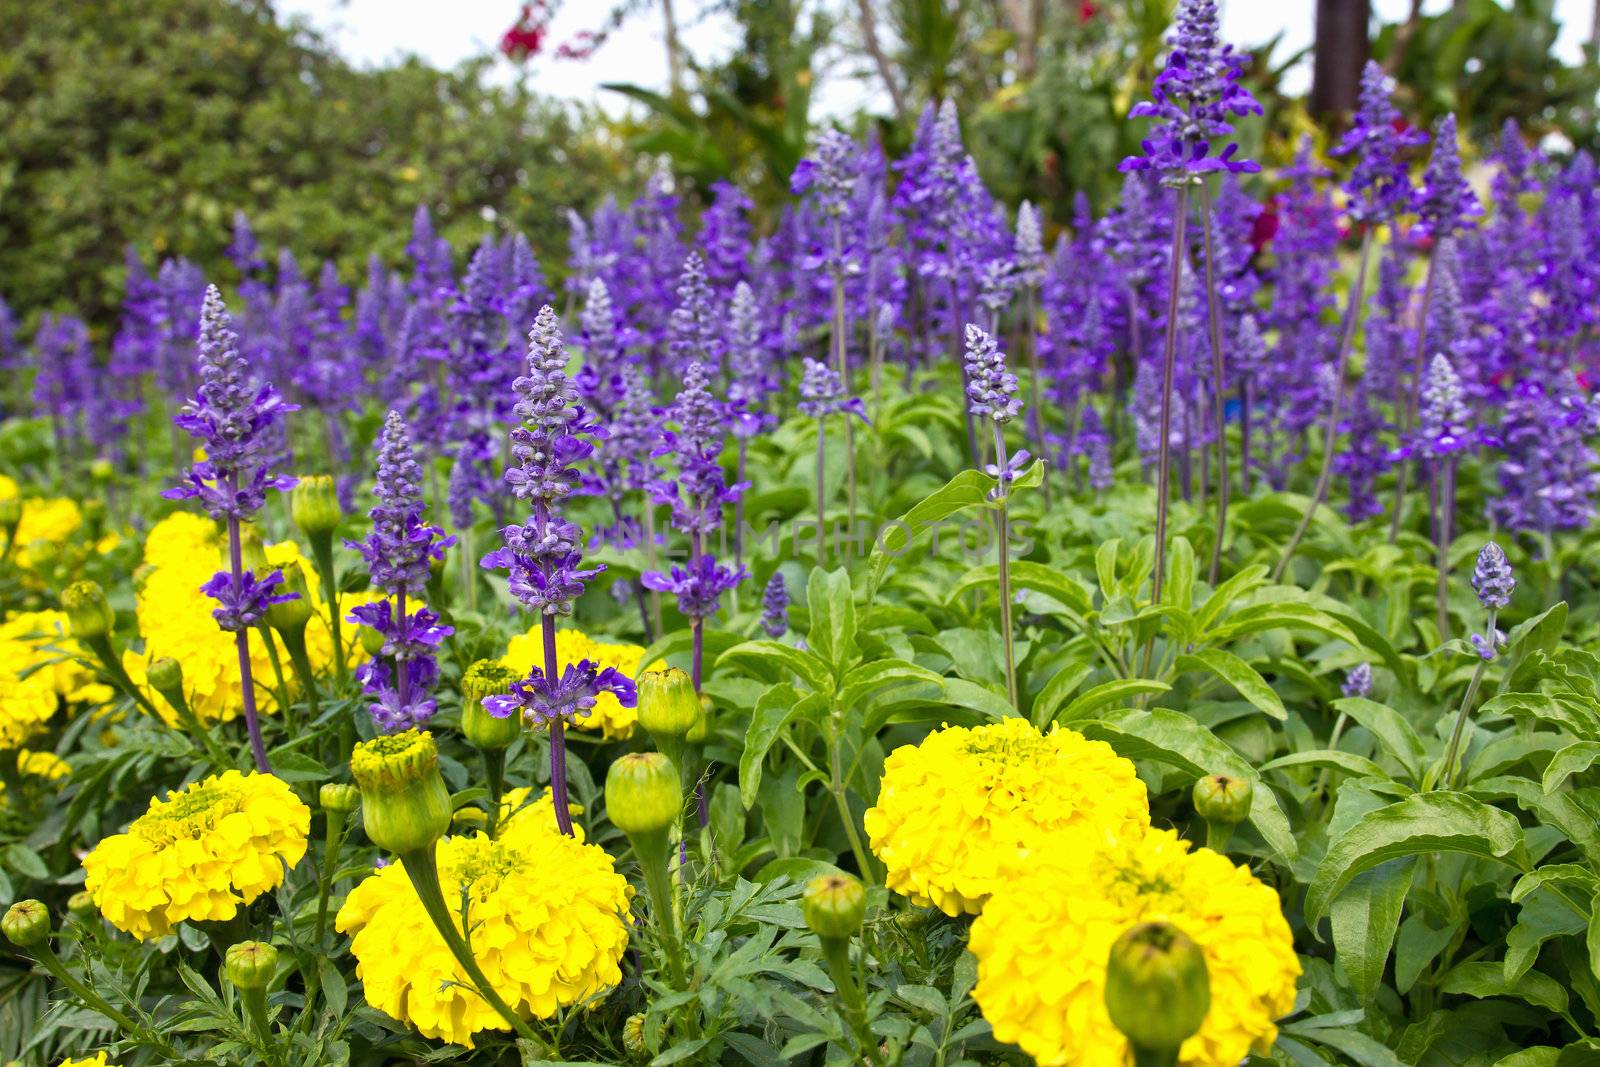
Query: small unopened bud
column 834, row 906
column 251, row 964
column 88, row 611
column 314, row 505
column 1157, row 988
column 487, row 678
column 80, row 906
column 291, row 616
column 633, row 1035
column 668, row 705
column 1222, row 798
column 252, row 552
column 166, row 677
column 339, row 798
column 643, row 795
column 702, row 722
column 404, row 803
column 26, row 924
column 10, row 512
column 101, row 470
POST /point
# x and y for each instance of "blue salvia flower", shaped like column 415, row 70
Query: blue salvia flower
column 1380, row 184
column 694, row 330
column 1445, row 203
column 1029, row 260
column 991, row 387
column 1492, row 578
column 775, row 606
column 1443, row 427
column 1358, row 682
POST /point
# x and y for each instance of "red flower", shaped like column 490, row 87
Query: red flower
column 1265, row 228
column 526, row 35
column 1087, row 9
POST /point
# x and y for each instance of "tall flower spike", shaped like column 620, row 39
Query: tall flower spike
column 1380, row 184
column 235, row 418
column 1443, row 427
column 1029, row 260
column 1445, row 203
column 1193, row 97
column 831, row 172
column 991, row 387
column 1492, row 579
column 775, row 606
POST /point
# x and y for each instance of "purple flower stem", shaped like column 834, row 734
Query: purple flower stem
column 1035, row 411
column 842, row 368
column 558, row 735
column 1218, row 383
column 1447, row 508
column 402, row 673
column 822, row 466
column 1352, row 316
column 241, row 641
column 1406, row 401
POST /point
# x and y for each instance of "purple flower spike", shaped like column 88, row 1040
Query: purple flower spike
column 401, row 546
column 236, row 419
column 698, row 587
column 775, row 606
column 243, row 604
column 991, row 388
column 1443, row 426
column 571, row 697
column 1445, row 203
column 1358, row 683
column 1380, row 184
column 1193, row 97
column 1492, row 578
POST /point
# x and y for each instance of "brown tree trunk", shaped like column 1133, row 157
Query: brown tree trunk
column 869, row 37
column 674, row 49
column 1341, row 52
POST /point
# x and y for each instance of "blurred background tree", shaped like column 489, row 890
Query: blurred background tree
column 151, row 121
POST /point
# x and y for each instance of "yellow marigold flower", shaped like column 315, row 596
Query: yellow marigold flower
column 615, row 722
column 97, row 1060
column 549, row 917
column 1043, row 942
column 50, row 636
column 182, row 552
column 46, row 765
column 53, row 520
column 968, row 810
column 199, row 853
column 28, row 699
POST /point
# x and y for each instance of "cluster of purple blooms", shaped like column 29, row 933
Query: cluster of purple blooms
column 399, row 552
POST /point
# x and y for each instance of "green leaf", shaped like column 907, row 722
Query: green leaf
column 1359, row 766
column 923, row 998
column 964, row 694
column 1175, row 739
column 965, row 491
column 1025, row 574
column 1427, row 823
column 1393, row 732
column 1105, row 567
column 1239, row 674
column 1364, row 919
column 1279, row 616
column 774, row 710
column 26, row 861
column 1056, row 690
column 1107, row 694
column 1222, row 598
column 863, row 678
column 775, row 654
column 1484, row 978
column 1178, row 591
column 1574, row 759
column 831, row 602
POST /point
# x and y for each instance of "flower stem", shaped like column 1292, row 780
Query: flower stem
column 1454, row 747
column 841, row 800
column 241, row 643
column 1003, row 550
column 1352, row 316
column 852, row 1003
column 1406, row 400
column 294, row 641
column 322, row 557
column 558, row 735
column 494, row 777
column 255, row 1009
column 1447, row 508
column 1218, row 383
column 52, row 963
column 652, row 851
column 101, row 647
column 330, row 860
column 822, row 467
column 422, row 867
column 1168, row 369
column 841, row 367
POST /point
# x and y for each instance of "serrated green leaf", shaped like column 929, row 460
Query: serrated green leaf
column 1484, row 978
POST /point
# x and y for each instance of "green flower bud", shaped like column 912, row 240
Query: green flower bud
column 251, row 964
column 165, row 676
column 668, row 705
column 80, row 906
column 404, row 803
column 314, row 505
column 1157, row 987
column 26, row 924
column 643, row 795
column 101, row 470
column 1221, row 798
column 291, row 616
column 10, row 512
column 702, row 722
column 372, row 641
column 88, row 611
column 633, row 1035
column 486, row 678
column 340, row 798
column 834, row 905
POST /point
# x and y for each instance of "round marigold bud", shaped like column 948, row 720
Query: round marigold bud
column 80, row 906
column 252, row 551
column 291, row 616
column 340, row 798
column 1222, row 798
column 668, row 705
column 314, row 505
column 487, row 678
column 26, row 924
column 404, row 803
column 88, row 611
column 642, row 793
column 251, row 964
column 101, row 470
column 633, row 1035
column 1157, row 987
column 165, row 675
column 10, row 512
column 702, row 722
column 834, row 905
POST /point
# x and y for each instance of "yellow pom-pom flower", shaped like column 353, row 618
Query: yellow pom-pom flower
column 97, row 1060
column 52, row 520
column 1043, row 941
column 549, row 917
column 181, row 553
column 55, row 652
column 615, row 722
column 968, row 810
column 46, row 765
column 198, row 854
